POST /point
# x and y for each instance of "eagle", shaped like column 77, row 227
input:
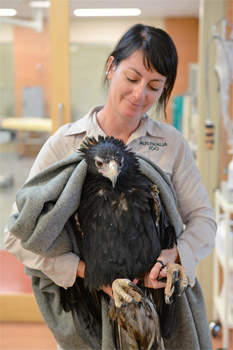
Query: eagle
column 121, row 227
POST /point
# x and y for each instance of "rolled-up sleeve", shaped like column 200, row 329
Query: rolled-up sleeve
column 63, row 268
column 198, row 239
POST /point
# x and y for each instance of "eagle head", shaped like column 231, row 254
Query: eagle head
column 108, row 157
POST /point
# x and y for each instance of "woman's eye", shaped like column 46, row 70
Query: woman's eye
column 99, row 164
column 132, row 80
column 154, row 89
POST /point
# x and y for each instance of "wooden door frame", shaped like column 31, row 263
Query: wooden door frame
column 59, row 20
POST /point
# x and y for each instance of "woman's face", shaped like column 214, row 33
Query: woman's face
column 133, row 89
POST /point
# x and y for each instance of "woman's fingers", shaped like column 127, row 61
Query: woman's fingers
column 151, row 283
column 157, row 269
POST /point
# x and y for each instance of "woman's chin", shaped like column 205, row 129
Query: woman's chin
column 132, row 113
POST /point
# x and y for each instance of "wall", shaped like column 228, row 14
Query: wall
column 7, row 85
column 93, row 30
column 87, row 63
column 225, row 157
column 31, row 63
column 184, row 32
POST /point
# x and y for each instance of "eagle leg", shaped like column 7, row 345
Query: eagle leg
column 176, row 280
column 134, row 317
column 125, row 292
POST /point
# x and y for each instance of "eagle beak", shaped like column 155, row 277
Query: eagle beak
column 113, row 172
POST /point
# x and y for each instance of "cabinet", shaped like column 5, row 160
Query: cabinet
column 223, row 256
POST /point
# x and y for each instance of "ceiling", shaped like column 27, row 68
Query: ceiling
column 149, row 8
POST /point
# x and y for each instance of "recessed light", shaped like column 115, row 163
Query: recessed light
column 39, row 4
column 8, row 12
column 107, row 12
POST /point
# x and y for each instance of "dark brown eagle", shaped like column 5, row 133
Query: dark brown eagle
column 121, row 227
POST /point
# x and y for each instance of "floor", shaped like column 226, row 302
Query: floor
column 28, row 336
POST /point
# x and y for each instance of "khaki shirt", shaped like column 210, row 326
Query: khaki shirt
column 165, row 146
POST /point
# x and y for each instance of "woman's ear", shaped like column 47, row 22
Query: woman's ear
column 110, row 67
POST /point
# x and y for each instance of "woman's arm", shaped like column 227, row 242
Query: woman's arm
column 61, row 269
column 198, row 238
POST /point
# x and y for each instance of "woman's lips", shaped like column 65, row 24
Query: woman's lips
column 134, row 104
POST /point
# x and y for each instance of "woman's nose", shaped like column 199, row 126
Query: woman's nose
column 139, row 92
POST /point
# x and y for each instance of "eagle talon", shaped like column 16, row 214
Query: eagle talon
column 176, row 280
column 162, row 279
column 125, row 292
column 126, row 304
column 180, row 290
column 135, row 288
column 169, row 300
column 123, row 305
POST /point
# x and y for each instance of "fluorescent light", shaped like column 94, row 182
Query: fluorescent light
column 107, row 12
column 8, row 12
column 39, row 4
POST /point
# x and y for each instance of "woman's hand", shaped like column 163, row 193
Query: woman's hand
column 167, row 257
column 108, row 290
column 81, row 271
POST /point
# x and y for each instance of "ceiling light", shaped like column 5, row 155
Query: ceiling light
column 8, row 12
column 39, row 4
column 107, row 12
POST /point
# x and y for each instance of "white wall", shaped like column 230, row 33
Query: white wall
column 105, row 30
column 6, row 33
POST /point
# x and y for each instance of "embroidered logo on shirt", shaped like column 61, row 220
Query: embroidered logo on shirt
column 153, row 146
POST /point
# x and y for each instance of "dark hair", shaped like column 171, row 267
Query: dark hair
column 159, row 53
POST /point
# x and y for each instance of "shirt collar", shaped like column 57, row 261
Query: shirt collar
column 87, row 124
column 90, row 126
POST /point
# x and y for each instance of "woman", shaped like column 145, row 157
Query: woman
column 141, row 72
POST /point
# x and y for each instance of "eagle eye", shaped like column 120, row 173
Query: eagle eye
column 121, row 163
column 99, row 164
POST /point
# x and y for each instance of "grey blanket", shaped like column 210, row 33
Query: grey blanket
column 45, row 204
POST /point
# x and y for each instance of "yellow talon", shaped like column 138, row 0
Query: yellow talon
column 123, row 292
column 175, row 272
